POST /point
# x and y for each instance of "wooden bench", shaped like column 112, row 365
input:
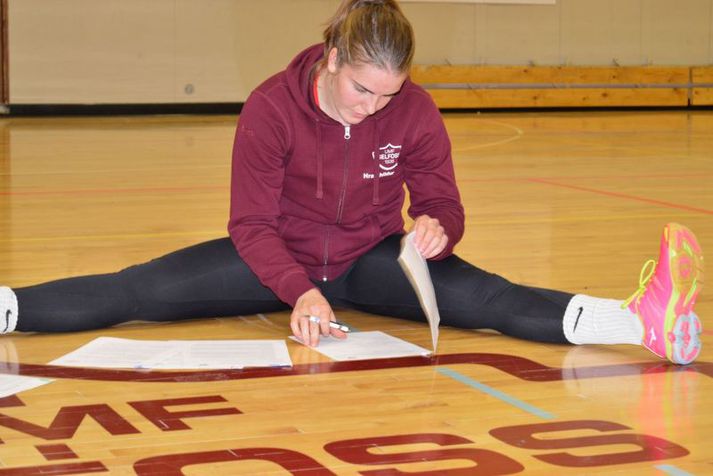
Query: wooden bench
column 476, row 87
column 702, row 92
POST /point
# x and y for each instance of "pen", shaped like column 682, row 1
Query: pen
column 333, row 324
column 340, row 326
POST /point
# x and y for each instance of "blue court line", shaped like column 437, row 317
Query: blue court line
column 496, row 393
column 672, row 470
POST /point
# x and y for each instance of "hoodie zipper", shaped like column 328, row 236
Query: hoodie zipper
column 326, row 255
column 340, row 206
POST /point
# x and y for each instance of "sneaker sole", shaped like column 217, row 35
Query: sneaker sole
column 685, row 339
column 683, row 327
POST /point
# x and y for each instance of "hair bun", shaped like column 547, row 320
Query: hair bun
column 370, row 31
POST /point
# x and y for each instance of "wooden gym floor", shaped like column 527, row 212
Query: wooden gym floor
column 573, row 201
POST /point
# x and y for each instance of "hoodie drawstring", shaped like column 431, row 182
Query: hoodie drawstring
column 375, row 192
column 319, row 193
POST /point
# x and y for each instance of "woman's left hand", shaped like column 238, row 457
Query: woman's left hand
column 430, row 237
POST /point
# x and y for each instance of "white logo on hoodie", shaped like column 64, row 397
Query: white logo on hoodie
column 388, row 161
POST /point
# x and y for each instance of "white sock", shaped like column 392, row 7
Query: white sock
column 590, row 320
column 8, row 310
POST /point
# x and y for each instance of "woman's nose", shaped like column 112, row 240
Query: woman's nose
column 372, row 104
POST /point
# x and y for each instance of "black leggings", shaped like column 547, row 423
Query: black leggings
column 211, row 280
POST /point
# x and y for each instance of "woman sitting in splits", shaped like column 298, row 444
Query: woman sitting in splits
column 322, row 151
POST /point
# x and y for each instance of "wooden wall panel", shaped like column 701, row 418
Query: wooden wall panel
column 524, row 87
column 702, row 79
column 534, row 98
column 555, row 75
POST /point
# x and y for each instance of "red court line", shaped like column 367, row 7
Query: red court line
column 115, row 190
column 589, row 177
column 518, row 367
column 225, row 187
column 625, row 196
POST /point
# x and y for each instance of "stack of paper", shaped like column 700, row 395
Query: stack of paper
column 112, row 352
column 416, row 269
column 367, row 345
column 12, row 384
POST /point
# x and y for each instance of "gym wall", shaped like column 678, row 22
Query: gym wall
column 217, row 51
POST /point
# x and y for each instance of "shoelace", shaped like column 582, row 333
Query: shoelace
column 647, row 272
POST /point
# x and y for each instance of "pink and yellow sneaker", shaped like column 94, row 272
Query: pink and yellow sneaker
column 666, row 296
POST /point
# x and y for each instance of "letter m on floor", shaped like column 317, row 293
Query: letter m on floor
column 68, row 420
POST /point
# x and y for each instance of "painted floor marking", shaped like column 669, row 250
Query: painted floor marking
column 496, row 393
column 672, row 470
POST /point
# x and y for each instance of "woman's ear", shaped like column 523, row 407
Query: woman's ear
column 333, row 60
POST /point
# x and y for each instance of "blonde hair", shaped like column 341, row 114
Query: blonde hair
column 374, row 32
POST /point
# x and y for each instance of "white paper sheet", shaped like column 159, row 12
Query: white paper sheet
column 112, row 352
column 13, row 384
column 366, row 345
column 415, row 267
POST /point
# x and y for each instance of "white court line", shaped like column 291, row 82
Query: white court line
column 519, row 133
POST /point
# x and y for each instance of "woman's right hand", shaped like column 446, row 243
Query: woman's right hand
column 313, row 303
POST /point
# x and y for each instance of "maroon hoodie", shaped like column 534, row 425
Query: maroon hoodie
column 309, row 196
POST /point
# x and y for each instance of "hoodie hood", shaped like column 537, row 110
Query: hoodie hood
column 299, row 75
